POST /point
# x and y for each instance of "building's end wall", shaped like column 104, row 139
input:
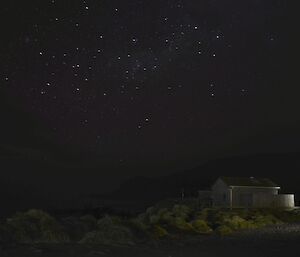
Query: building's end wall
column 273, row 201
column 284, row 201
column 220, row 194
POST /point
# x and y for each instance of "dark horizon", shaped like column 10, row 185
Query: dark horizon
column 53, row 190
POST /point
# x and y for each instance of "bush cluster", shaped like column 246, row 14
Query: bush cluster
column 36, row 226
column 109, row 230
column 177, row 219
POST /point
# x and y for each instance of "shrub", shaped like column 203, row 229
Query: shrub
column 213, row 217
column 264, row 220
column 140, row 230
column 159, row 232
column 73, row 228
column 154, row 219
column 236, row 223
column 109, row 231
column 36, row 226
column 181, row 211
column 180, row 224
column 224, row 230
column 76, row 227
column 165, row 216
column 203, row 214
column 6, row 235
column 107, row 222
column 200, row 226
column 138, row 224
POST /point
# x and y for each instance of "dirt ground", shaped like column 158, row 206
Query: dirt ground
column 276, row 241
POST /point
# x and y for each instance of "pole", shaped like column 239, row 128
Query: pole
column 230, row 195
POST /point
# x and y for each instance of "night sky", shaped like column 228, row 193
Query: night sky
column 146, row 87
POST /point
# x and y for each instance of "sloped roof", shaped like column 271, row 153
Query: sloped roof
column 248, row 181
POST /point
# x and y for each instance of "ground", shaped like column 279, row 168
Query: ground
column 274, row 241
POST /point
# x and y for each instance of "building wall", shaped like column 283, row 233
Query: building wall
column 284, row 201
column 244, row 196
column 220, row 194
column 273, row 201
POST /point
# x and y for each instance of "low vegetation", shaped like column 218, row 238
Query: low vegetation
column 156, row 223
column 33, row 226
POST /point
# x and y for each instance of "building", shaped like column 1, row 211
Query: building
column 249, row 192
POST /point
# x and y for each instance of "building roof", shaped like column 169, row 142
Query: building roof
column 248, row 182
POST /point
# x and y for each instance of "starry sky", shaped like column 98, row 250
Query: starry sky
column 147, row 87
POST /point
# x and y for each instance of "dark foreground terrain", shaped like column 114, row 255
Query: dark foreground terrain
column 278, row 240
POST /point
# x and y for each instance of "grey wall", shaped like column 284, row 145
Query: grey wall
column 274, row 201
column 220, row 194
column 243, row 196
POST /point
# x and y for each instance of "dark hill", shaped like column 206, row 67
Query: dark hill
column 281, row 168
